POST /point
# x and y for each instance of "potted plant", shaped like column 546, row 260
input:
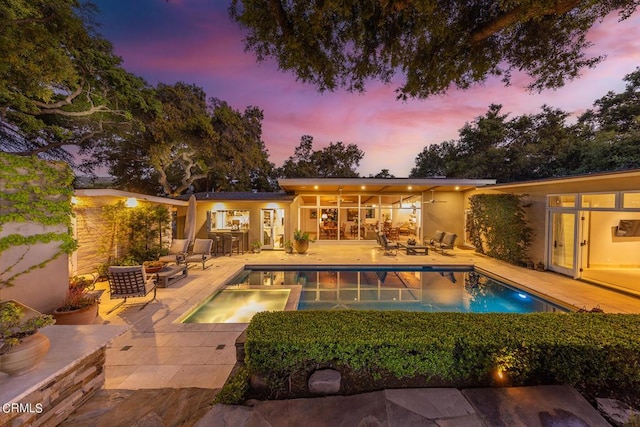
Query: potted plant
column 256, row 246
column 22, row 346
column 79, row 307
column 301, row 241
column 288, row 246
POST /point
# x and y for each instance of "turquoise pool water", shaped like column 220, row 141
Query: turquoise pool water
column 421, row 288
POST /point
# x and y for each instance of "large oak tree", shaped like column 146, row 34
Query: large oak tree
column 60, row 83
column 432, row 44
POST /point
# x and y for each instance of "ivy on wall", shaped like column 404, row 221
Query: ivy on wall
column 498, row 228
column 34, row 191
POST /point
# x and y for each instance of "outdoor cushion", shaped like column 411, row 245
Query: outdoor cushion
column 179, row 246
column 202, row 246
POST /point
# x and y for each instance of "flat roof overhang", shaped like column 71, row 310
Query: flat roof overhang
column 380, row 185
column 628, row 180
column 108, row 192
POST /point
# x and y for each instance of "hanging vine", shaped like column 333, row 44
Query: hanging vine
column 34, row 191
column 498, row 227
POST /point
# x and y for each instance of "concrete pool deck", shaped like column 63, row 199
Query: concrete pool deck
column 159, row 352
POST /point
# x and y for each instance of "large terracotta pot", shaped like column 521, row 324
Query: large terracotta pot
column 83, row 316
column 24, row 357
column 301, row 246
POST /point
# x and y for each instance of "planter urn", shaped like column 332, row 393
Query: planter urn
column 26, row 356
column 301, row 246
column 82, row 316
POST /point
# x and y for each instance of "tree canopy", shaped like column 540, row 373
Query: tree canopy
column 190, row 144
column 334, row 161
column 60, row 83
column 542, row 145
column 433, row 45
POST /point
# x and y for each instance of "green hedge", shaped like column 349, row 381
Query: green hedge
column 446, row 349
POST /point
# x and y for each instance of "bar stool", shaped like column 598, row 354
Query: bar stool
column 231, row 242
column 218, row 245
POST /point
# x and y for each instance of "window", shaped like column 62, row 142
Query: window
column 229, row 220
column 631, row 200
column 599, row 201
column 562, row 201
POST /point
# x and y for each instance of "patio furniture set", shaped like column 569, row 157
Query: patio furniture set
column 441, row 241
column 133, row 281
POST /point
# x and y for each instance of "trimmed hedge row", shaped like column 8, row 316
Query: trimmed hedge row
column 447, row 349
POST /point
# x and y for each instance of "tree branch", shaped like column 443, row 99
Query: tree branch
column 520, row 14
column 90, row 111
column 67, row 101
column 281, row 17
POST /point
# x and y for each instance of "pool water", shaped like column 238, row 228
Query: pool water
column 426, row 289
column 238, row 305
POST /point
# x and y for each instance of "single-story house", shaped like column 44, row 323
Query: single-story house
column 586, row 227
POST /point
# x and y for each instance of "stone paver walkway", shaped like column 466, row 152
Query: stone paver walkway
column 509, row 407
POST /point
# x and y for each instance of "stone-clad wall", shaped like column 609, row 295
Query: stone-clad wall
column 92, row 233
column 50, row 404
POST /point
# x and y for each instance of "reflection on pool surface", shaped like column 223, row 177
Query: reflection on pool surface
column 238, row 305
column 428, row 289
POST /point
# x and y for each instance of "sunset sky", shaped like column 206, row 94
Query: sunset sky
column 195, row 41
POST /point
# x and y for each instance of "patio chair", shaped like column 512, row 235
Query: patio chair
column 434, row 241
column 201, row 252
column 447, row 242
column 130, row 281
column 177, row 251
column 387, row 246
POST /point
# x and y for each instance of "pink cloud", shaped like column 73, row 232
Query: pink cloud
column 194, row 41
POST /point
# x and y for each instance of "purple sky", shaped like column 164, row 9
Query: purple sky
column 194, row 41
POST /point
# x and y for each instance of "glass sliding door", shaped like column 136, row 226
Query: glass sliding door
column 562, row 243
column 272, row 232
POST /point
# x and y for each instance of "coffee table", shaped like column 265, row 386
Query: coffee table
column 171, row 274
column 416, row 249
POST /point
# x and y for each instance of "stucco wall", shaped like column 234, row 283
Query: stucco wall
column 445, row 215
column 42, row 288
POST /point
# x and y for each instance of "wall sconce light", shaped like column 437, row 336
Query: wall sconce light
column 131, row 202
column 74, row 200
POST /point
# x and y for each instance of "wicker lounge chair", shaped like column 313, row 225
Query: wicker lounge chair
column 177, row 251
column 447, row 242
column 387, row 246
column 201, row 252
column 434, row 241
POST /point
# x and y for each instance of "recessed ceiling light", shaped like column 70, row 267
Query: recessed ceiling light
column 410, row 187
column 363, row 187
column 457, row 188
column 315, row 187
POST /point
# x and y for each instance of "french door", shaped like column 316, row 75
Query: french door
column 562, row 243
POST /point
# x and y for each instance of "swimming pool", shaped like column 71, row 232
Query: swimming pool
column 407, row 288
